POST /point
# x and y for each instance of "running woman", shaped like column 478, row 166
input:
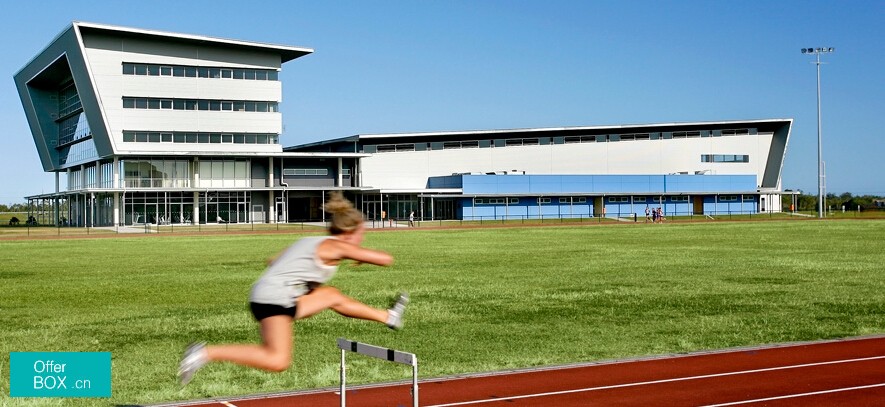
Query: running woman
column 292, row 287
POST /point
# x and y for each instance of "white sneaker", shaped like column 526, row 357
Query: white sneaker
column 396, row 311
column 193, row 359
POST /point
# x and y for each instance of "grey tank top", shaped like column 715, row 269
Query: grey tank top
column 288, row 277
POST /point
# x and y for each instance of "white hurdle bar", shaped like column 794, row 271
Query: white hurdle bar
column 391, row 355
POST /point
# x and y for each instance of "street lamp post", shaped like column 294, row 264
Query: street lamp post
column 820, row 158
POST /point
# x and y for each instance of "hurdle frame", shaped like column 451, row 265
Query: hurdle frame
column 378, row 352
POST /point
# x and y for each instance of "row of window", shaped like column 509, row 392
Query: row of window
column 199, row 72
column 611, row 199
column 68, row 100
column 725, row 158
column 200, row 104
column 73, row 128
column 199, row 138
column 305, row 171
column 534, row 141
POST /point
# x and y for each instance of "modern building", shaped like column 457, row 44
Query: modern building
column 706, row 168
column 144, row 126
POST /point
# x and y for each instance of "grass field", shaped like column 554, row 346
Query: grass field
column 482, row 299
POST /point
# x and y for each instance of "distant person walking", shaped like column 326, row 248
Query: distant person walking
column 412, row 219
column 647, row 214
column 293, row 287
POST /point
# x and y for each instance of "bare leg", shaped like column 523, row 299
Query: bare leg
column 274, row 354
column 330, row 298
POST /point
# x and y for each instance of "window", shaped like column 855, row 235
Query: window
column 725, row 158
column 543, row 200
column 728, row 198
column 678, row 199
column 305, row 171
column 735, row 132
column 618, row 199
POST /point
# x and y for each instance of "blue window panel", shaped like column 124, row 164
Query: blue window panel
column 451, row 181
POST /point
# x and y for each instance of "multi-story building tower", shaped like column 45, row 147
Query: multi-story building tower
column 159, row 127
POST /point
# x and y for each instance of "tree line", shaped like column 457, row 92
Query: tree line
column 850, row 202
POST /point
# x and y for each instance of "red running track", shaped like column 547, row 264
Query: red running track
column 848, row 372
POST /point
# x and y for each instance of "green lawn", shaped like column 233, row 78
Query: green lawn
column 482, row 299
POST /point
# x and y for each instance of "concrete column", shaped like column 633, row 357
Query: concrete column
column 340, row 177
column 116, row 208
column 56, row 198
column 116, row 182
column 271, row 208
column 270, row 183
column 196, row 219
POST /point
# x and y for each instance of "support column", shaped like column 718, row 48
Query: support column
column 271, row 208
column 196, row 220
column 56, row 198
column 116, row 208
column 340, row 177
column 271, row 196
column 196, row 184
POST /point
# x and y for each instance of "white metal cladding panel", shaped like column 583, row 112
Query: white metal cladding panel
column 105, row 63
column 197, row 121
column 201, row 88
column 149, row 148
column 411, row 169
column 140, row 50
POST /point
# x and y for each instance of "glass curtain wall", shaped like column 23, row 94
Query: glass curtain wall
column 156, row 173
column 158, row 208
column 225, row 207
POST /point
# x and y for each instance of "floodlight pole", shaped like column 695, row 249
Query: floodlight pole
column 820, row 157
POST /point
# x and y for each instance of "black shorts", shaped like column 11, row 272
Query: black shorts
column 261, row 311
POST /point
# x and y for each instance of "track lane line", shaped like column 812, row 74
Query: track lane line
column 814, row 393
column 677, row 379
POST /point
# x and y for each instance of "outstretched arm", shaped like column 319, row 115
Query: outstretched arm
column 333, row 251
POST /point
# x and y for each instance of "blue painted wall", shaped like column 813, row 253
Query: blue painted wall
column 711, row 188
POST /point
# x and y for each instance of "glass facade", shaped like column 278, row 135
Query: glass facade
column 156, row 173
column 224, row 174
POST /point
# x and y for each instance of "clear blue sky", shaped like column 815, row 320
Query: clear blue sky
column 396, row 66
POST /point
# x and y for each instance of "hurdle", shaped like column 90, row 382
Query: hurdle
column 381, row 353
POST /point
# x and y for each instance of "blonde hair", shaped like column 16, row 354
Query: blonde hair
column 345, row 218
